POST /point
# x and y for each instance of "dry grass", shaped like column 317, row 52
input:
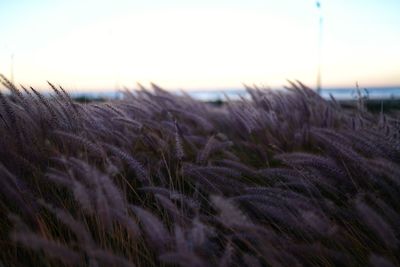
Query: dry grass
column 283, row 179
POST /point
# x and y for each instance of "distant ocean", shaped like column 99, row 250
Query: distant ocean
column 375, row 93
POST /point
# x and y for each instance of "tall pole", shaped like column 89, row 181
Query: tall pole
column 318, row 3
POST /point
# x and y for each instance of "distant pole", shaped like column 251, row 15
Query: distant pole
column 12, row 68
column 318, row 3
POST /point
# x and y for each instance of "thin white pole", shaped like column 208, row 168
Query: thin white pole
column 320, row 22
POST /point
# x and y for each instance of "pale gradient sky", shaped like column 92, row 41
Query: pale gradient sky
column 199, row 44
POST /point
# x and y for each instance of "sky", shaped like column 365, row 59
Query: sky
column 207, row 44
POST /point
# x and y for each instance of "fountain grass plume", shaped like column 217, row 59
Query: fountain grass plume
column 156, row 179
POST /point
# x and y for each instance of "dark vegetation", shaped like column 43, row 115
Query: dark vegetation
column 283, row 179
column 87, row 99
column 377, row 106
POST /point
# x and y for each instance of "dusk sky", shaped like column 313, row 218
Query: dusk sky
column 199, row 44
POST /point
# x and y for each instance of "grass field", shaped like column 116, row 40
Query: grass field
column 155, row 179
